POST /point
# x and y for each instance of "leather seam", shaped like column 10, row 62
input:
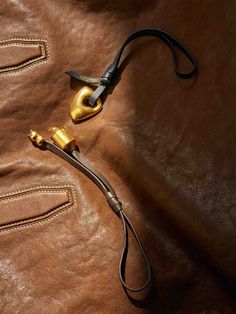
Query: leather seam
column 27, row 192
column 41, row 219
column 39, row 188
column 19, row 42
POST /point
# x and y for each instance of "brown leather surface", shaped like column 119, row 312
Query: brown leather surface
column 167, row 145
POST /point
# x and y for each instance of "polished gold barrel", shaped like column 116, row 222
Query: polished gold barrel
column 63, row 139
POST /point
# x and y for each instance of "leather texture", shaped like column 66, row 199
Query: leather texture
column 166, row 145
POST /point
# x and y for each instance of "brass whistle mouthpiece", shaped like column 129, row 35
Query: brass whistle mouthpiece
column 63, row 139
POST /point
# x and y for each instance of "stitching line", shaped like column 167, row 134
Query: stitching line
column 41, row 219
column 19, row 42
column 28, row 61
column 17, row 195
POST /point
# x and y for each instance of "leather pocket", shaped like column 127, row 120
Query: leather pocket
column 33, row 204
column 18, row 53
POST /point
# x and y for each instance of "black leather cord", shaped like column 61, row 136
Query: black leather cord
column 81, row 163
column 107, row 78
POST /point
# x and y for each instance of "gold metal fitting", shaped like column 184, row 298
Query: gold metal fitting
column 79, row 109
column 35, row 137
column 63, row 139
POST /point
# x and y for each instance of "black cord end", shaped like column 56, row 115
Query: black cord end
column 107, row 77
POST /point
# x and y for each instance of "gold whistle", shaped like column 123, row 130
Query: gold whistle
column 59, row 136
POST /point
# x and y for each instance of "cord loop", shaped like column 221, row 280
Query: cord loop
column 107, row 78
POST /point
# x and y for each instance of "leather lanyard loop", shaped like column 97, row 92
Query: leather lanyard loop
column 107, row 78
column 81, row 163
column 127, row 224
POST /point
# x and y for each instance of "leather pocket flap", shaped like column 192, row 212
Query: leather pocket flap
column 36, row 203
column 19, row 53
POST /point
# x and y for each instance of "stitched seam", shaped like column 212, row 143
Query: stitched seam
column 11, row 72
column 23, row 64
column 28, row 193
column 29, row 220
column 15, row 39
column 42, row 43
column 38, row 187
column 63, row 188
column 36, row 220
column 42, row 219
column 2, row 45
